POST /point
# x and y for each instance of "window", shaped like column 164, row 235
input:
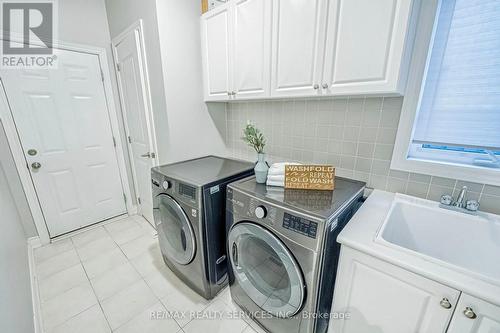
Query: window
column 460, row 103
column 456, row 115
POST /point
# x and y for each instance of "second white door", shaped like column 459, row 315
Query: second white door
column 134, row 97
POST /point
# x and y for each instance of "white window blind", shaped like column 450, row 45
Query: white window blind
column 460, row 102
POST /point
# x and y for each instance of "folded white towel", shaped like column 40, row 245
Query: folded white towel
column 275, row 183
column 273, row 178
column 278, row 169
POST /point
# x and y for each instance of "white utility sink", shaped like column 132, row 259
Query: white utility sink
column 464, row 242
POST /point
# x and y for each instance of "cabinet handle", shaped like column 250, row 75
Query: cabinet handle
column 325, row 85
column 229, row 93
column 233, row 93
column 445, row 303
column 316, row 86
column 469, row 313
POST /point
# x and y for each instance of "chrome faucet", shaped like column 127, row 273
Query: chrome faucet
column 461, row 198
column 461, row 204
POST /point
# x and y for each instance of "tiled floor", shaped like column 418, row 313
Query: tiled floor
column 112, row 279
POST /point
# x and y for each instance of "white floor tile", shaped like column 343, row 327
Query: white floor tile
column 91, row 235
column 162, row 283
column 104, row 262
column 128, row 303
column 48, row 251
column 62, row 281
column 138, row 246
column 150, row 262
column 56, row 264
column 114, row 281
column 59, row 309
column 220, row 322
column 148, row 227
column 184, row 300
column 145, row 322
column 89, row 321
column 96, row 248
column 122, row 236
column 121, row 225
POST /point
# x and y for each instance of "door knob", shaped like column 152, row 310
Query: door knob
column 32, row 152
column 469, row 313
column 325, row 85
column 149, row 155
column 36, row 165
column 445, row 303
column 316, row 86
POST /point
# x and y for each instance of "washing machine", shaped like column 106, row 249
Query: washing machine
column 283, row 251
column 189, row 204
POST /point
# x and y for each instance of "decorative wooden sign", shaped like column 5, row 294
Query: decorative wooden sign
column 310, row 177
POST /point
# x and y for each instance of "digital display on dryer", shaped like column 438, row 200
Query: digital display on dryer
column 300, row 225
column 187, row 191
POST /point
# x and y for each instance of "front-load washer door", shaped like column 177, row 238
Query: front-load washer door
column 266, row 270
column 175, row 233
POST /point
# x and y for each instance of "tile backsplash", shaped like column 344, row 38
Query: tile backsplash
column 356, row 135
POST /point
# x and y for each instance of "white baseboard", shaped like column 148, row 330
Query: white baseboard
column 33, row 243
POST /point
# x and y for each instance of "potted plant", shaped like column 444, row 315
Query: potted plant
column 255, row 139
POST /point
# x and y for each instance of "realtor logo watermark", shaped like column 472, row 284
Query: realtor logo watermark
column 29, row 29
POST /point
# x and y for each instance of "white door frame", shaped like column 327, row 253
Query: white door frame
column 18, row 153
column 137, row 27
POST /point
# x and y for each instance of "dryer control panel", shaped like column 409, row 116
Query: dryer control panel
column 300, row 225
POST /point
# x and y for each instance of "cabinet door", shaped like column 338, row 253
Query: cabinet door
column 367, row 46
column 252, row 48
column 215, row 49
column 485, row 316
column 297, row 47
column 381, row 297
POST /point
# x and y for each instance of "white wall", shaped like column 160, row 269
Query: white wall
column 16, row 309
column 195, row 129
column 185, row 126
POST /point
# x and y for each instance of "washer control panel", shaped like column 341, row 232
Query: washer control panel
column 300, row 225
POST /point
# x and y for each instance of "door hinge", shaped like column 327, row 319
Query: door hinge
column 125, row 197
column 129, row 139
column 102, row 76
column 114, row 142
column 118, row 67
column 139, row 200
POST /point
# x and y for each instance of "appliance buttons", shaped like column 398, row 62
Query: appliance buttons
column 166, row 184
column 260, row 212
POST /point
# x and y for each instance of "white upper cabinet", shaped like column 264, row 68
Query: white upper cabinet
column 215, row 48
column 297, row 50
column 289, row 48
column 367, row 46
column 475, row 316
column 252, row 48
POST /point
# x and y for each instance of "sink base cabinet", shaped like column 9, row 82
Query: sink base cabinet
column 486, row 316
column 380, row 297
column 383, row 298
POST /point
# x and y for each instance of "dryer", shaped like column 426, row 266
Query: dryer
column 189, row 200
column 283, row 251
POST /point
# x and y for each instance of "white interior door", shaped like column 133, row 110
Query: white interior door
column 64, row 128
column 134, row 100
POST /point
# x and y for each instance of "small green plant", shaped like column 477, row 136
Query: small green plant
column 254, row 138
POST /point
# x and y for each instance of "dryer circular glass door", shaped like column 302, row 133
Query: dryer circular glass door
column 266, row 270
column 175, row 233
